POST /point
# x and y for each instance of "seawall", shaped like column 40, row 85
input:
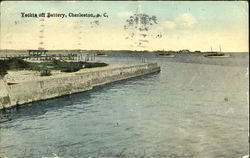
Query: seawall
column 49, row 87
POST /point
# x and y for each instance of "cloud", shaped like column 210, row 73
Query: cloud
column 183, row 20
column 125, row 14
column 186, row 20
column 170, row 24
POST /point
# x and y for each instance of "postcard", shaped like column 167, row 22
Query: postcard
column 130, row 79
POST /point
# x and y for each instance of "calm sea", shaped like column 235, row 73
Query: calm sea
column 196, row 107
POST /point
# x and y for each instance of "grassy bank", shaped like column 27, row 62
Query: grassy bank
column 45, row 68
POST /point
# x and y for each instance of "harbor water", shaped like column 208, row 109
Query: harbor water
column 196, row 107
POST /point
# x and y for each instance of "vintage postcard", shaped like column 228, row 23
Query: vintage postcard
column 129, row 79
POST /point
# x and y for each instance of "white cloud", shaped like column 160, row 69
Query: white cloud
column 186, row 20
column 125, row 14
column 170, row 24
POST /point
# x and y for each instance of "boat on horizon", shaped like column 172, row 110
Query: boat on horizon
column 165, row 55
column 213, row 54
column 101, row 54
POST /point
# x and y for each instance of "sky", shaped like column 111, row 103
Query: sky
column 193, row 25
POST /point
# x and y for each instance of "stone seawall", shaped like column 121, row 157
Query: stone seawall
column 50, row 87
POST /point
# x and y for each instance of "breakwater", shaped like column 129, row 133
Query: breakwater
column 13, row 94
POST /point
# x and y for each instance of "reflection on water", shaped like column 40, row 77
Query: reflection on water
column 195, row 107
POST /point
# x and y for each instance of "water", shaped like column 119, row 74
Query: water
column 195, row 108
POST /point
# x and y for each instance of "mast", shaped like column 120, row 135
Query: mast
column 211, row 49
column 220, row 48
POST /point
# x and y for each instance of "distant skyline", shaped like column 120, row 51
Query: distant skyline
column 192, row 25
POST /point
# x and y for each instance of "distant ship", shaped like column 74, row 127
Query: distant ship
column 164, row 54
column 216, row 54
column 102, row 54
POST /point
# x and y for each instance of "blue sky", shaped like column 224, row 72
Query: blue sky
column 182, row 25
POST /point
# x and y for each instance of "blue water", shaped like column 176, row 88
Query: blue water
column 196, row 107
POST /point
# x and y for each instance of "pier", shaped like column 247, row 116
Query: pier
column 43, row 55
column 41, row 88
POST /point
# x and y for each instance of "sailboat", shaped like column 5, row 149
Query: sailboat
column 164, row 54
column 102, row 54
column 213, row 54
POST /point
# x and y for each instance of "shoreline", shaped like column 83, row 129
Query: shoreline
column 51, row 52
column 20, row 90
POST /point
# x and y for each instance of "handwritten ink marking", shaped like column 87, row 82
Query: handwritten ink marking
column 139, row 26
